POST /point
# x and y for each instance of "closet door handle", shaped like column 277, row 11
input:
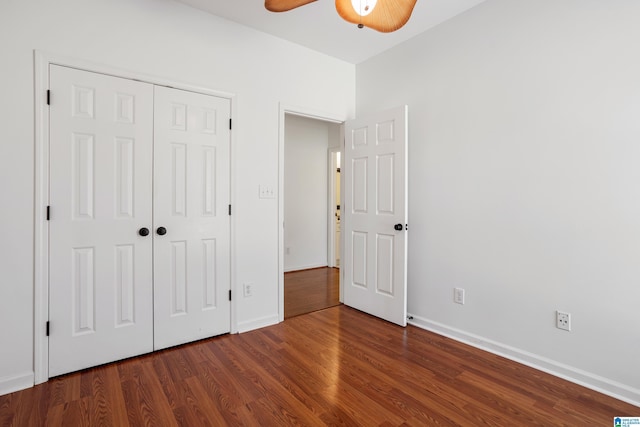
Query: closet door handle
column 161, row 231
column 143, row 231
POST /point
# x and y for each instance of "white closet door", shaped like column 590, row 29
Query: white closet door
column 191, row 219
column 100, row 196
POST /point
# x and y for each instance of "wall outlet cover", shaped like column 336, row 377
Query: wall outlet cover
column 247, row 289
column 563, row 320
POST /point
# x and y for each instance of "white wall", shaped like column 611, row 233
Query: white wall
column 334, row 135
column 172, row 41
column 524, row 180
column 305, row 192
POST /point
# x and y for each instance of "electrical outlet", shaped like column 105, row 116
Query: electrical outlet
column 563, row 320
column 248, row 289
column 458, row 295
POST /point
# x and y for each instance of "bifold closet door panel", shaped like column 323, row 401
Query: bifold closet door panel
column 191, row 217
column 100, row 279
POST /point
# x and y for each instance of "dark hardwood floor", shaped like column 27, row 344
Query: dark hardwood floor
column 332, row 367
column 310, row 290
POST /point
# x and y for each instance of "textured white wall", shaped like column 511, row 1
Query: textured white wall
column 173, row 41
column 524, row 180
column 305, row 192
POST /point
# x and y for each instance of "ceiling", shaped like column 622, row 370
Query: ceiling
column 319, row 27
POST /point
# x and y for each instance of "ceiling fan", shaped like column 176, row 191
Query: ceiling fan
column 381, row 15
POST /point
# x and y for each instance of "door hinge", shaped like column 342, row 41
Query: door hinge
column 229, row 294
column 229, row 210
column 48, row 213
column 48, row 97
column 47, row 328
column 229, row 124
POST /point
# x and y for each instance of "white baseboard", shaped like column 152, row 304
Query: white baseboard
column 304, row 267
column 261, row 322
column 16, row 383
column 594, row 382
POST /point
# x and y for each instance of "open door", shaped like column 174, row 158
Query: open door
column 375, row 215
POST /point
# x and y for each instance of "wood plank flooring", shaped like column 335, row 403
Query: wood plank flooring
column 310, row 290
column 332, row 367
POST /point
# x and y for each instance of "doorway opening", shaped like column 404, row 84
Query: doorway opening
column 311, row 290
column 310, row 195
column 334, row 217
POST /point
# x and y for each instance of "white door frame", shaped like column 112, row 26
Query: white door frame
column 311, row 114
column 42, row 60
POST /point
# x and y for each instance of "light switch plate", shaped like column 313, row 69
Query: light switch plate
column 267, row 192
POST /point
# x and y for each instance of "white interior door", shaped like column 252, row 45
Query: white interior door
column 375, row 215
column 100, row 280
column 191, row 202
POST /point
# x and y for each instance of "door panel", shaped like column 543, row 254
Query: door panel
column 191, row 198
column 100, row 280
column 104, row 302
column 375, row 175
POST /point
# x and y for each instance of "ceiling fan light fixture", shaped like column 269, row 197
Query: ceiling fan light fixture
column 380, row 15
column 363, row 7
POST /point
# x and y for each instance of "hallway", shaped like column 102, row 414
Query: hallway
column 311, row 290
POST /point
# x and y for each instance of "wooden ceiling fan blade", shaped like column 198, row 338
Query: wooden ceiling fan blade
column 387, row 15
column 284, row 5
